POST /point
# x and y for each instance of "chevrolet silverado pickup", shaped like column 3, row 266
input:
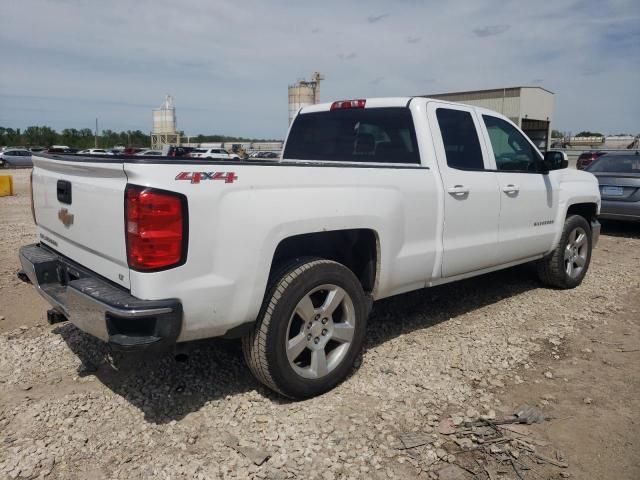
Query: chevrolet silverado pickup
column 370, row 198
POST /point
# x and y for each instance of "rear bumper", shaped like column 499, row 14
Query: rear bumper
column 610, row 209
column 99, row 307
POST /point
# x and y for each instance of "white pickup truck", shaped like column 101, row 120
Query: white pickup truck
column 371, row 198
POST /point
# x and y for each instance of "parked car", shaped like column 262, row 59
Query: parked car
column 585, row 159
column 149, row 153
column 171, row 151
column 95, row 151
column 59, row 149
column 16, row 157
column 289, row 255
column 216, row 153
column 618, row 175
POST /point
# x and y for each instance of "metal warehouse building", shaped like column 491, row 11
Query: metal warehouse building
column 531, row 108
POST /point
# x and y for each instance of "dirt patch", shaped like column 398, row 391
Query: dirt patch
column 594, row 391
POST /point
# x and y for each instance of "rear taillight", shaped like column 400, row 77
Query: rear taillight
column 156, row 223
column 33, row 209
column 348, row 104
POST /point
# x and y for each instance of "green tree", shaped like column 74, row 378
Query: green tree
column 589, row 134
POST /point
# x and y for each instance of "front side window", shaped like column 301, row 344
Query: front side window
column 511, row 149
column 460, row 139
column 380, row 135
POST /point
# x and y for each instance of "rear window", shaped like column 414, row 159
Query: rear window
column 616, row 163
column 380, row 135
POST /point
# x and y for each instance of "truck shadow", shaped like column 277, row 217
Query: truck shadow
column 166, row 389
column 422, row 309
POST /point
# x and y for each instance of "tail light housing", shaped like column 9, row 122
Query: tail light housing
column 156, row 228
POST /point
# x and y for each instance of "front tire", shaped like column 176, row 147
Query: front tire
column 567, row 265
column 310, row 329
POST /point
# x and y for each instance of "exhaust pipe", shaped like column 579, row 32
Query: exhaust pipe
column 54, row 316
column 23, row 276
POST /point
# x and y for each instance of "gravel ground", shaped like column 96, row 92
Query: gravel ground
column 70, row 408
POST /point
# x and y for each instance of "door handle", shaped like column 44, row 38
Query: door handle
column 511, row 188
column 458, row 190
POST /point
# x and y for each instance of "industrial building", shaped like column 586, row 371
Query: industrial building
column 165, row 128
column 531, row 108
column 304, row 93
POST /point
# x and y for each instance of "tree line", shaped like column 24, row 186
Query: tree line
column 84, row 138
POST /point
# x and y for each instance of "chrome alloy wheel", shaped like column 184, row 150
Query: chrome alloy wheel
column 320, row 331
column 575, row 252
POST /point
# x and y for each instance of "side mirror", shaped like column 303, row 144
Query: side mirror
column 556, row 160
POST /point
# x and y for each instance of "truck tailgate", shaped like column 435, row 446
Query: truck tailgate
column 79, row 209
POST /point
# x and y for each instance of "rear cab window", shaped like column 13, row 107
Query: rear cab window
column 360, row 135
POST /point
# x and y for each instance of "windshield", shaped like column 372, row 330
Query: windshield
column 616, row 163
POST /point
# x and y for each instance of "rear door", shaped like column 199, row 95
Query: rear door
column 472, row 199
column 528, row 198
column 79, row 207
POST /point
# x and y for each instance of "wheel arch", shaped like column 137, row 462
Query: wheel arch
column 588, row 210
column 357, row 249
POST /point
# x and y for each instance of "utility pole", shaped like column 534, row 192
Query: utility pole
column 96, row 135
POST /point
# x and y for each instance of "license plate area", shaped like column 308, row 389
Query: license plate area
column 612, row 191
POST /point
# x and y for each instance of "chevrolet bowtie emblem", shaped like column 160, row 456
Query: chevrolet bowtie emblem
column 65, row 217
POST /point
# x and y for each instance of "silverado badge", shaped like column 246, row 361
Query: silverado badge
column 65, row 217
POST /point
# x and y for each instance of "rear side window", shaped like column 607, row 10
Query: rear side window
column 381, row 135
column 460, row 139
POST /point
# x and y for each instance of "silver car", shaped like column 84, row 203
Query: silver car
column 618, row 174
column 16, row 157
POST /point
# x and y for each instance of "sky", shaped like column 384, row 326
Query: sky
column 228, row 63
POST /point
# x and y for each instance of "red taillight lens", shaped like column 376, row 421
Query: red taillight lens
column 348, row 104
column 156, row 228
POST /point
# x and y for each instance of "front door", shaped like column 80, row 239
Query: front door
column 528, row 198
column 471, row 195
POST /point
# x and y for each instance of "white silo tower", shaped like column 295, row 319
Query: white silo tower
column 165, row 128
column 304, row 93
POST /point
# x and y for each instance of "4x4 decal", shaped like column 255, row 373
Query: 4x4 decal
column 197, row 177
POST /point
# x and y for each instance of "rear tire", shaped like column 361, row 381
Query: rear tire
column 567, row 265
column 310, row 329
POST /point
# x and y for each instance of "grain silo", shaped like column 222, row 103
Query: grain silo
column 165, row 128
column 304, row 93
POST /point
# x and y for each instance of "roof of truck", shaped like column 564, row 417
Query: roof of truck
column 370, row 103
